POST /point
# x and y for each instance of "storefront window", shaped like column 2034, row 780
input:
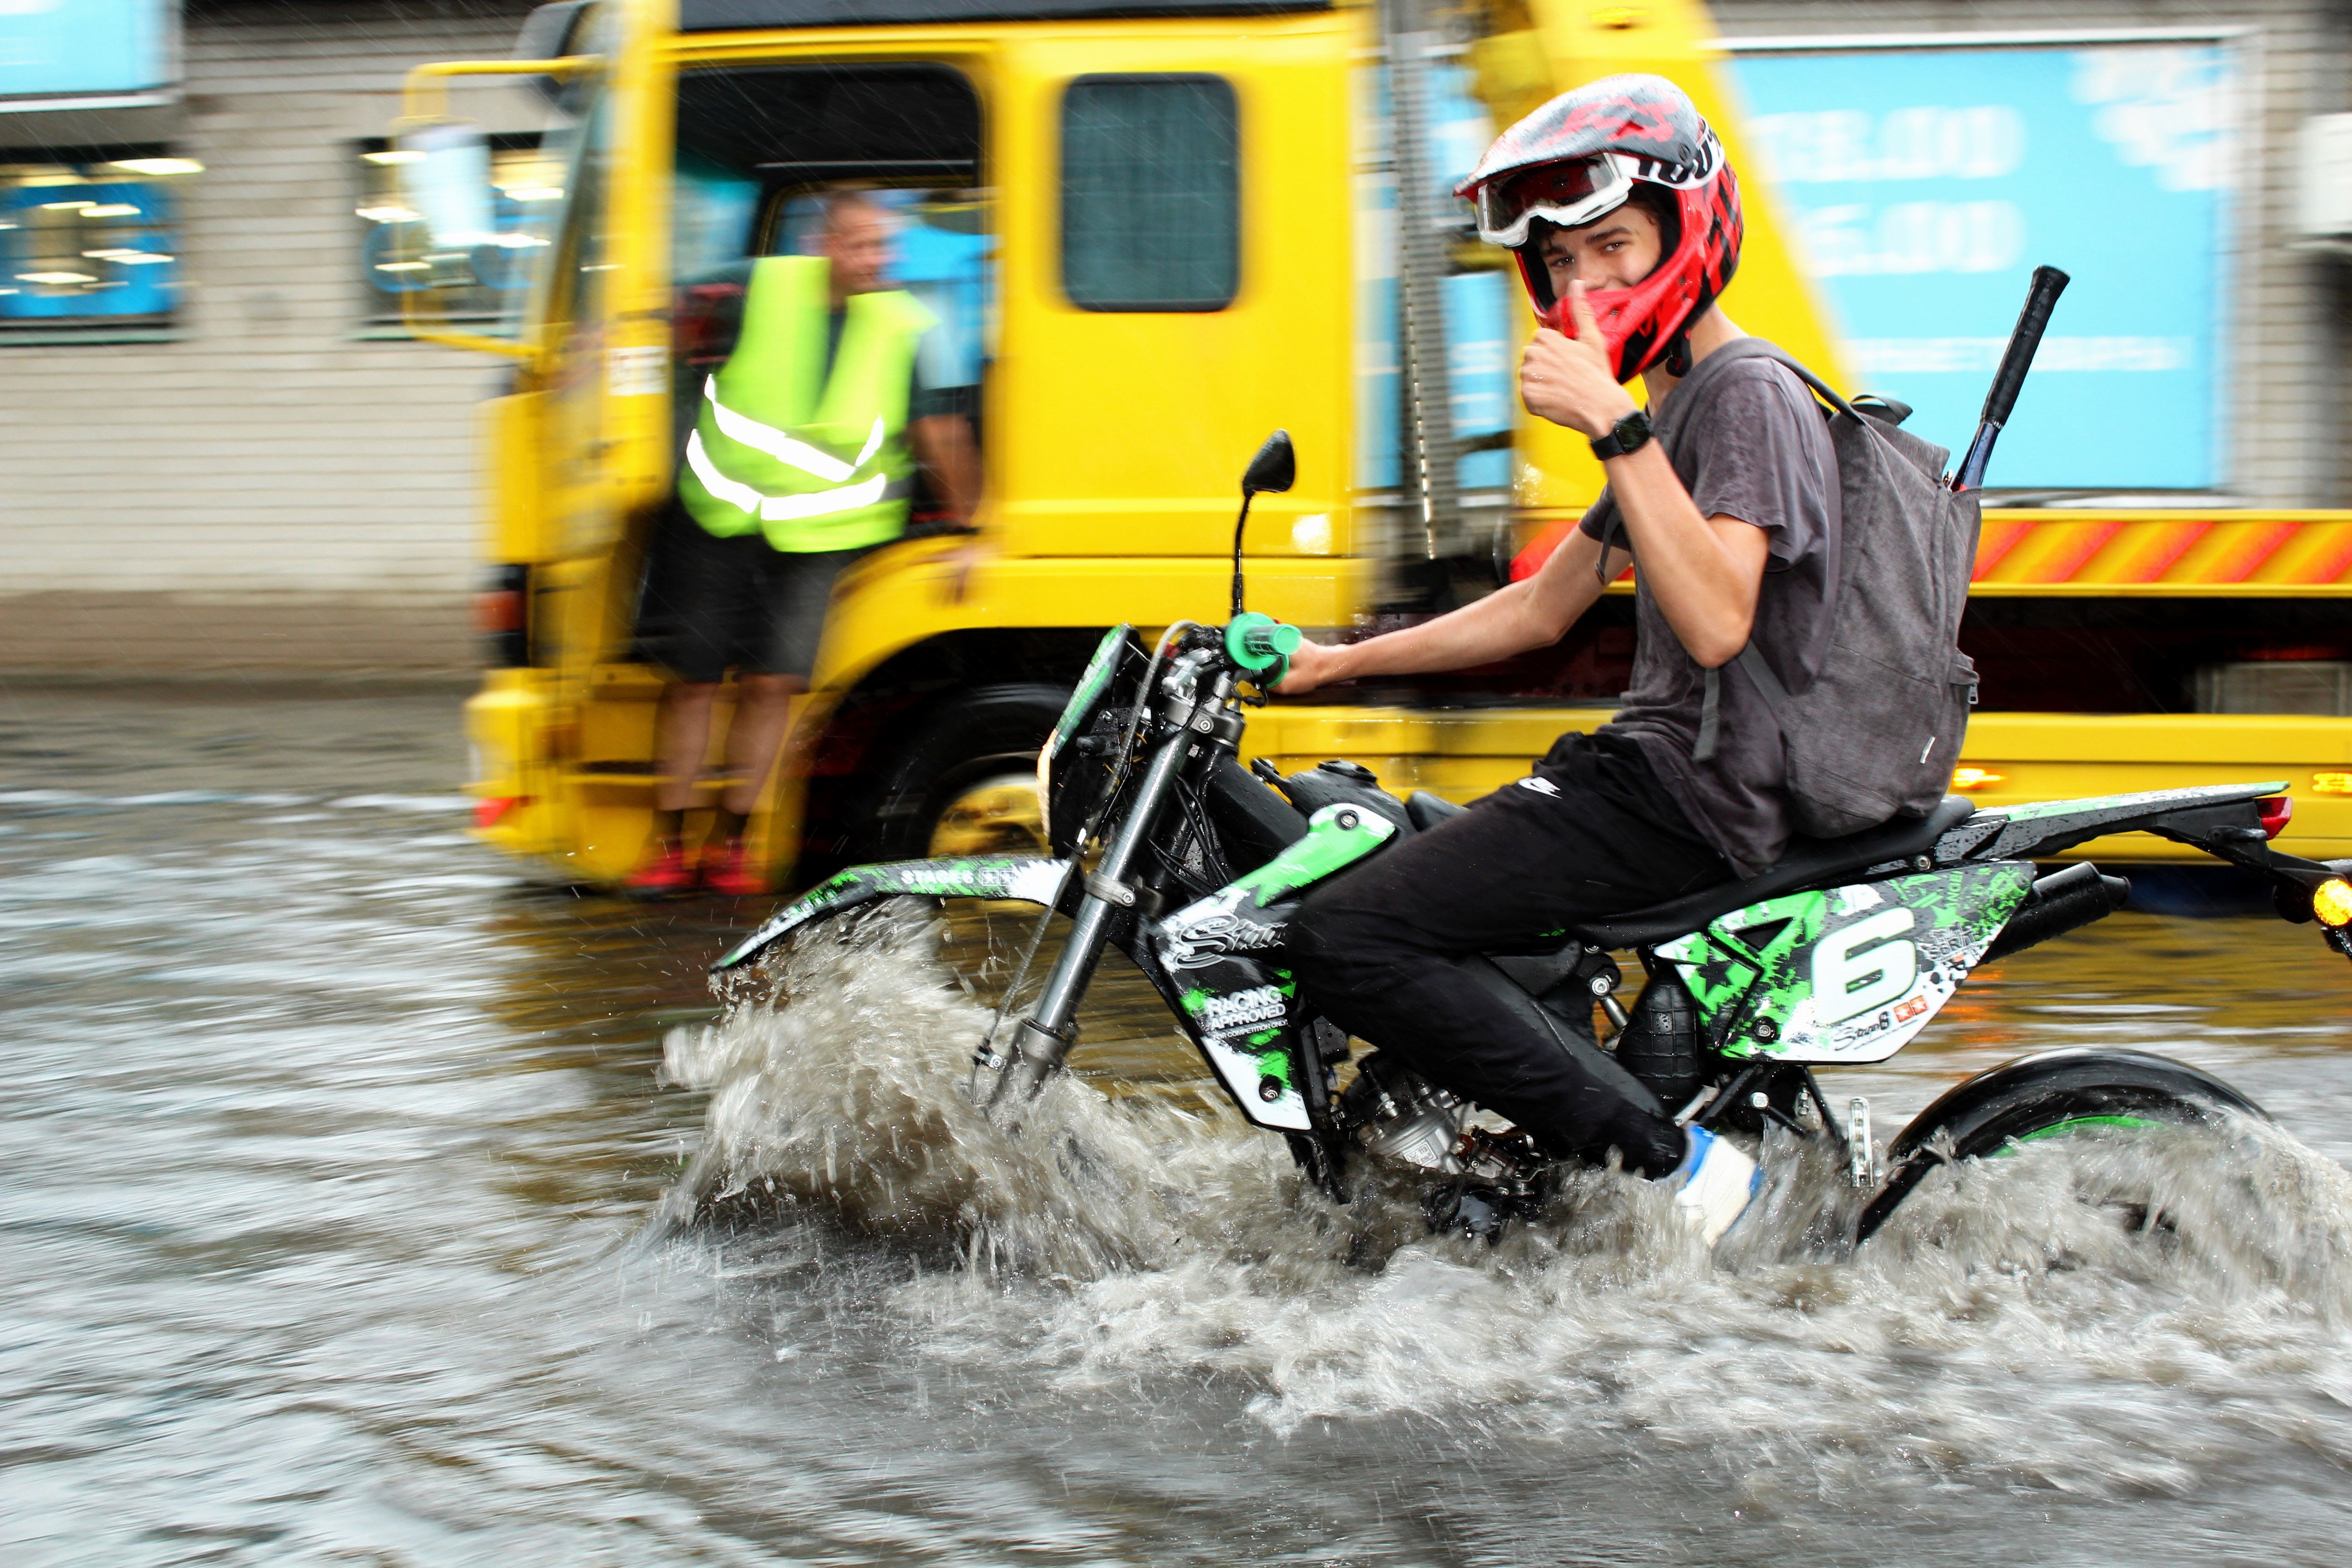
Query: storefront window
column 527, row 185
column 90, row 242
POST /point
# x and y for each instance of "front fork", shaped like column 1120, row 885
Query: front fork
column 1041, row 1039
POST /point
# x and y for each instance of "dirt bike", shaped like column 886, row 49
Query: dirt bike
column 1840, row 953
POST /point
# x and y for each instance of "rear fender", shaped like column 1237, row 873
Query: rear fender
column 2046, row 829
column 1027, row 880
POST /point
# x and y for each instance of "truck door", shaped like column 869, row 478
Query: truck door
column 1175, row 285
column 760, row 152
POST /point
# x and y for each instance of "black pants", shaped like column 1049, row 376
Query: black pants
column 712, row 605
column 1390, row 951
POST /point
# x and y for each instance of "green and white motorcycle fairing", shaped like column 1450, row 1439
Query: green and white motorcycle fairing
column 1848, row 973
column 1239, row 1011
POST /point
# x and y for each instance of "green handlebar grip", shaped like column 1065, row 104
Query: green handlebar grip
column 1279, row 641
column 1258, row 642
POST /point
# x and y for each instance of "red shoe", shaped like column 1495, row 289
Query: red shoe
column 667, row 875
column 729, row 870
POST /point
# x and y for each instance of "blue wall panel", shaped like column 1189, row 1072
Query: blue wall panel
column 1923, row 185
column 83, row 48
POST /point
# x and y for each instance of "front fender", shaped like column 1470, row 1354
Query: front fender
column 993, row 876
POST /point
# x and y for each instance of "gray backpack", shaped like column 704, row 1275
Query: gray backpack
column 1875, row 733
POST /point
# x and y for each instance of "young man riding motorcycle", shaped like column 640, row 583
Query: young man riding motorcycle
column 1625, row 220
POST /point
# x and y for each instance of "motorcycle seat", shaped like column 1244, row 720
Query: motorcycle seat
column 1807, row 863
column 1427, row 810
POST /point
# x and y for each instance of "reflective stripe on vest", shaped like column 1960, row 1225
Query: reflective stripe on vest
column 770, row 448
column 780, row 508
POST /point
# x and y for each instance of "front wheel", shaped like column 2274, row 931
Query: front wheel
column 2047, row 1096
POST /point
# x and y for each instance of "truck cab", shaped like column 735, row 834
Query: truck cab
column 1152, row 235
column 1155, row 231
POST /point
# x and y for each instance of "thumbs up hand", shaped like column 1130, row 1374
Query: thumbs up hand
column 1572, row 380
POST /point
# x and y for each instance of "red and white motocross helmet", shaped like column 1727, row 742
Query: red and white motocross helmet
column 1578, row 158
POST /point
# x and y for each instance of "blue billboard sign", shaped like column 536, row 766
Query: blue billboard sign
column 1923, row 185
column 83, row 49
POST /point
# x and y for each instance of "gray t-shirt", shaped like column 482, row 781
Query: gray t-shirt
column 1755, row 447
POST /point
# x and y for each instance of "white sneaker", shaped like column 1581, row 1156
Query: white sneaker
column 1714, row 1185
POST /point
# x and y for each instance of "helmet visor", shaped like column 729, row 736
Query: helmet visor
column 1574, row 192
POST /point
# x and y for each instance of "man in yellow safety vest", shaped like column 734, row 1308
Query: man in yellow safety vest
column 803, row 457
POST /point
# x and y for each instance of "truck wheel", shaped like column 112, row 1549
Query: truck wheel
column 964, row 782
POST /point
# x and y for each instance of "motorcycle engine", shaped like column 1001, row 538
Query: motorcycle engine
column 1399, row 1117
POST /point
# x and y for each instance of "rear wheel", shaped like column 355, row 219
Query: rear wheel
column 2050, row 1095
column 964, row 781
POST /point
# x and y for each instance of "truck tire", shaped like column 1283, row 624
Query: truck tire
column 976, row 750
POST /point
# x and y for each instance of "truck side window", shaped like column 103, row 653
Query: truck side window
column 1150, row 193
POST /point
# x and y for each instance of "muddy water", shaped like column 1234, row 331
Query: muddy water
column 342, row 1222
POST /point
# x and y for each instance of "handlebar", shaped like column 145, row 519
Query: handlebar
column 1261, row 647
column 1258, row 642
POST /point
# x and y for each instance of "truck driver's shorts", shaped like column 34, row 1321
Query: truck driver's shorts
column 738, row 603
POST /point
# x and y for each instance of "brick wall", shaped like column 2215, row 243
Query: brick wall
column 2288, row 389
column 272, row 490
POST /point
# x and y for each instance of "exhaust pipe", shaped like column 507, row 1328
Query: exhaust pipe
column 2057, row 904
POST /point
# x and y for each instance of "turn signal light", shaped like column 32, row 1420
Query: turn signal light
column 2331, row 783
column 2332, row 902
column 1966, row 779
column 489, row 813
column 497, row 610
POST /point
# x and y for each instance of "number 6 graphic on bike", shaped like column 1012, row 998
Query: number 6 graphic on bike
column 1867, row 964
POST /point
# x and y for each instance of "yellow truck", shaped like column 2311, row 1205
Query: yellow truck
column 1158, row 229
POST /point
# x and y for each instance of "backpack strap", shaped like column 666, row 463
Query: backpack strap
column 1710, row 717
column 1751, row 663
column 1779, row 355
column 1764, row 348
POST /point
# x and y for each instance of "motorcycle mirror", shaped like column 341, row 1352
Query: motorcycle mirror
column 1270, row 472
column 1274, row 469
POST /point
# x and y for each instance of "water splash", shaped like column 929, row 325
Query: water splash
column 2101, row 1314
column 837, row 1088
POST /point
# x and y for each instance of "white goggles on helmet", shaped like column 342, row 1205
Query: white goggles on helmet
column 1566, row 194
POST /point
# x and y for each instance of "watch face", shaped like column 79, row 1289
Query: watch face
column 1627, row 435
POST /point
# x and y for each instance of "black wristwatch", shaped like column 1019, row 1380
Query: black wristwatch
column 1629, row 434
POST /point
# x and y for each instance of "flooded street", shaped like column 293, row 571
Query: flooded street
column 342, row 1224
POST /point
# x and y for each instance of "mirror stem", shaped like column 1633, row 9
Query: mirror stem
column 1240, row 523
